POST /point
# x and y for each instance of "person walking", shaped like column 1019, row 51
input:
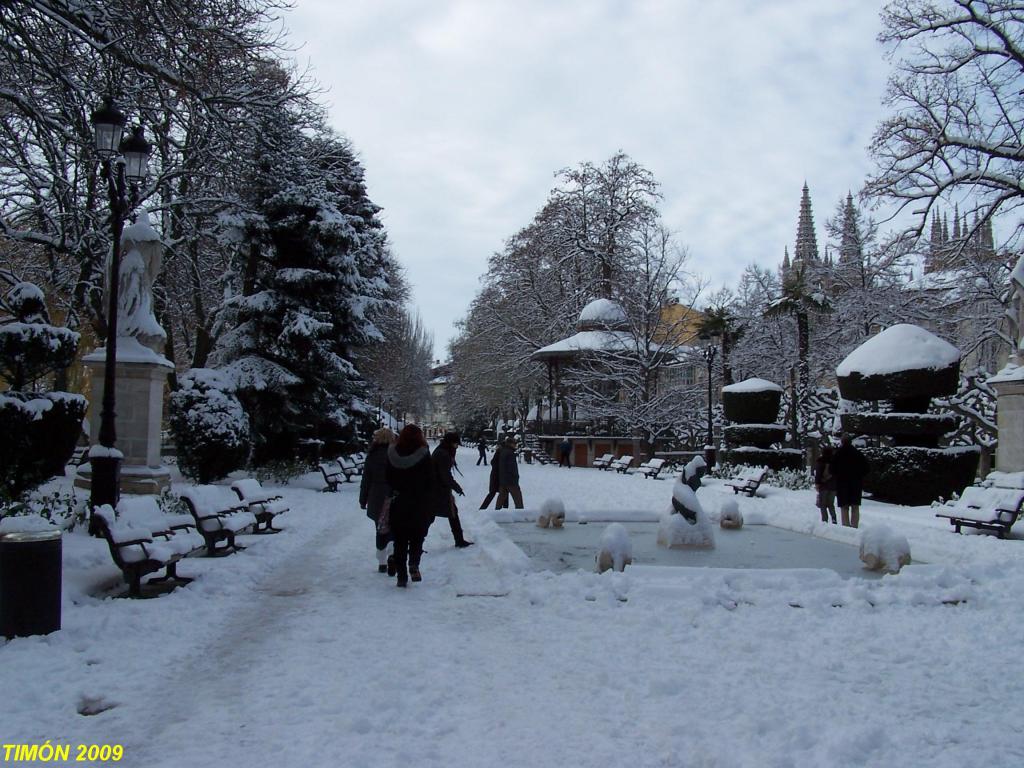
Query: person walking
column 492, row 484
column 825, row 484
column 481, row 447
column 508, row 476
column 410, row 473
column 447, row 486
column 849, row 468
column 375, row 493
column 564, row 450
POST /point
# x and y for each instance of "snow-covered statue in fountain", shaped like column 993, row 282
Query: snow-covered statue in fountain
column 552, row 513
column 141, row 258
column 686, row 525
column 616, row 550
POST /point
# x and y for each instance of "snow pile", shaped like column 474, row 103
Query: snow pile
column 602, row 312
column 753, row 385
column 616, row 550
column 552, row 512
column 25, row 524
column 901, row 347
column 881, row 549
column 729, row 515
column 686, row 525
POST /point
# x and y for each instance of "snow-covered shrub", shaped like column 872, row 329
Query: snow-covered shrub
column 881, row 549
column 753, row 407
column 211, row 430
column 793, row 479
column 616, row 550
column 552, row 512
column 39, row 429
column 729, row 515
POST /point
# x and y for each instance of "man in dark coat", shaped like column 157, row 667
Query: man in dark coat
column 492, row 485
column 849, row 467
column 481, row 447
column 508, row 475
column 447, row 486
column 564, row 451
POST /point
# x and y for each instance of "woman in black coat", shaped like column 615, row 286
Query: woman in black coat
column 849, row 468
column 410, row 473
column 444, row 461
column 374, row 491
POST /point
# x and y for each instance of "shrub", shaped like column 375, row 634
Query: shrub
column 40, row 432
column 917, row 476
column 210, row 428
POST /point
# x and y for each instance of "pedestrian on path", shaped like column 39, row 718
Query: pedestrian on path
column 447, row 486
column 492, row 485
column 564, row 451
column 375, row 493
column 508, row 476
column 481, row 446
column 410, row 474
column 849, row 467
column 825, row 484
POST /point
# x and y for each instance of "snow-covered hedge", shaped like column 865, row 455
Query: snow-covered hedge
column 39, row 435
column 754, row 401
column 210, row 427
column 917, row 476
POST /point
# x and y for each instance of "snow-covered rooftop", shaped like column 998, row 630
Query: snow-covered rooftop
column 601, row 312
column 902, row 347
column 587, row 341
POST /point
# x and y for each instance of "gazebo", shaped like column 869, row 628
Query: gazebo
column 602, row 328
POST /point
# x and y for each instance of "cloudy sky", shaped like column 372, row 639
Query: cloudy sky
column 463, row 110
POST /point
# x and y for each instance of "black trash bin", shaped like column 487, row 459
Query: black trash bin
column 30, row 583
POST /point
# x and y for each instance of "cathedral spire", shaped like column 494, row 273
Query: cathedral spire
column 851, row 249
column 806, row 241
column 956, row 222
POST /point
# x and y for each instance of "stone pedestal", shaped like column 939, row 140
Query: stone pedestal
column 139, row 406
column 1010, row 419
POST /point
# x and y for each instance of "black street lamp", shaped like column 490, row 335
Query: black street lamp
column 709, row 351
column 124, row 164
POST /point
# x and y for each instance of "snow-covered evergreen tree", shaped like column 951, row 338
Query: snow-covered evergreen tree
column 312, row 266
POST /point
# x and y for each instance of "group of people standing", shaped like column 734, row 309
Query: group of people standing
column 403, row 488
column 839, row 477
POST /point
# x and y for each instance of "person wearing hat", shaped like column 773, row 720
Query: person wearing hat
column 508, row 475
column 447, row 486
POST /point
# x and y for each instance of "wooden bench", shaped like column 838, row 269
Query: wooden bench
column 985, row 507
column 333, row 476
column 142, row 540
column 604, row 462
column 219, row 516
column 351, row 466
column 748, row 480
column 651, row 468
column 622, row 464
column 261, row 502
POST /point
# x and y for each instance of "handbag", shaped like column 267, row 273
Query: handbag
column 384, row 520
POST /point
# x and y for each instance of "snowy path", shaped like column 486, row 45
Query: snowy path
column 297, row 653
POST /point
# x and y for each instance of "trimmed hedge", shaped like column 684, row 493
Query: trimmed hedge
column 773, row 458
column 907, row 424
column 761, row 407
column 40, row 432
column 910, row 387
column 757, row 435
column 917, row 476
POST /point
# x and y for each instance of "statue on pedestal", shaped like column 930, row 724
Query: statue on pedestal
column 141, row 259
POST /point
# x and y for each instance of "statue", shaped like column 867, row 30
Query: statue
column 1015, row 311
column 141, row 256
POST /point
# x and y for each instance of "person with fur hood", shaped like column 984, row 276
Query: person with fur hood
column 375, row 493
column 411, row 475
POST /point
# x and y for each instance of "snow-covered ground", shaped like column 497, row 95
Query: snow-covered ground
column 296, row 652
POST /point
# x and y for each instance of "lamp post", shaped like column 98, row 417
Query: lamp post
column 708, row 352
column 124, row 161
